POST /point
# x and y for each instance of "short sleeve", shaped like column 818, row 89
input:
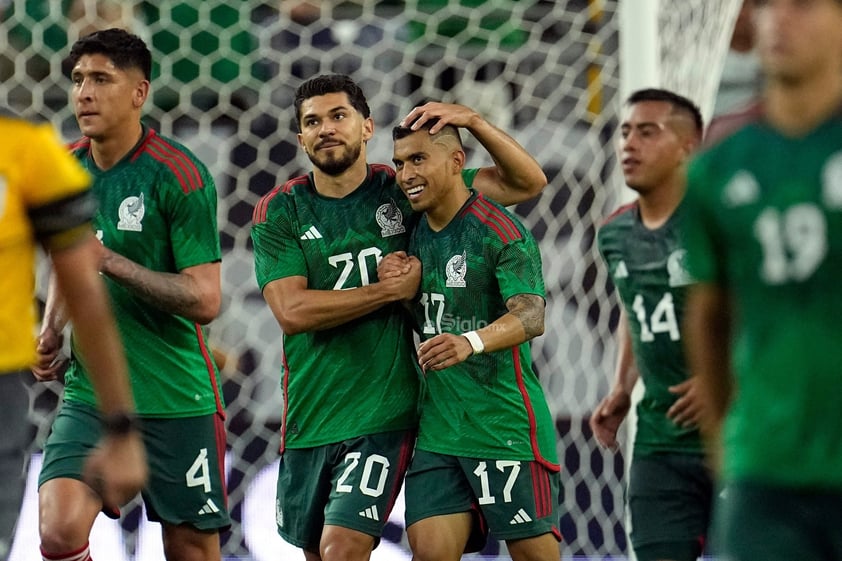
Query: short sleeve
column 519, row 269
column 699, row 230
column 192, row 222
column 277, row 250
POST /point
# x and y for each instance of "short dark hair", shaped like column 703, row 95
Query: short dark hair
column 125, row 50
column 399, row 132
column 679, row 103
column 327, row 84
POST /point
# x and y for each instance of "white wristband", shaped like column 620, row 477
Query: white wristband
column 475, row 340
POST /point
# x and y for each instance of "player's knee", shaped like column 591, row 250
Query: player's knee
column 184, row 543
column 61, row 535
column 539, row 548
column 342, row 544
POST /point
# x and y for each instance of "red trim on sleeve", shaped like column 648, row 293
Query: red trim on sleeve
column 177, row 161
column 260, row 211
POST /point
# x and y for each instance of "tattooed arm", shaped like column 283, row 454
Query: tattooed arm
column 193, row 292
column 524, row 321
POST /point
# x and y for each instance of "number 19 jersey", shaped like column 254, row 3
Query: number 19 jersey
column 764, row 221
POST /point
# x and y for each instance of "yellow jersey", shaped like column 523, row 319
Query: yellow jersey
column 43, row 197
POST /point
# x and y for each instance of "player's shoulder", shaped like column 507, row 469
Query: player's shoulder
column 723, row 126
column 621, row 215
column 495, row 218
column 175, row 160
column 381, row 171
column 617, row 225
column 279, row 197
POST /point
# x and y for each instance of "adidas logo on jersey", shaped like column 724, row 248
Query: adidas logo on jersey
column 370, row 513
column 209, row 508
column 621, row 272
column 311, row 234
column 520, row 518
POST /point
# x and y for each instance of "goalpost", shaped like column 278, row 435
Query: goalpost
column 553, row 73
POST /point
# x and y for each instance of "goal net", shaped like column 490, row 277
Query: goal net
column 547, row 71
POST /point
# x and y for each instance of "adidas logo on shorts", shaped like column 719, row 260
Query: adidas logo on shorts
column 209, row 508
column 370, row 512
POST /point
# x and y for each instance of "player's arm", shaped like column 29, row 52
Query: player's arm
column 117, row 469
column 299, row 309
column 193, row 293
column 613, row 409
column 523, row 321
column 50, row 339
column 516, row 175
column 708, row 346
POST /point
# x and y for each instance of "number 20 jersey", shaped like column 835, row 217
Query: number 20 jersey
column 357, row 378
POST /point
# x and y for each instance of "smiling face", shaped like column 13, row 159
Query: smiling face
column 652, row 148
column 428, row 168
column 105, row 97
column 333, row 133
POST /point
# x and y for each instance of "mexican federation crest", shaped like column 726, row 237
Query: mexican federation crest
column 131, row 213
column 455, row 270
column 677, row 268
column 390, row 219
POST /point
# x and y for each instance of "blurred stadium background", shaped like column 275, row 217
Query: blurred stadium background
column 549, row 72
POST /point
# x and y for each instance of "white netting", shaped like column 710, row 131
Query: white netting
column 547, row 71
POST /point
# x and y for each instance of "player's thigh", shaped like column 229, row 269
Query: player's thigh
column 439, row 495
column 755, row 521
column 368, row 472
column 304, row 483
column 518, row 498
column 67, row 506
column 670, row 502
column 74, row 434
column 186, row 471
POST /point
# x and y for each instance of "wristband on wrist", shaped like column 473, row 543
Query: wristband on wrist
column 475, row 340
column 119, row 424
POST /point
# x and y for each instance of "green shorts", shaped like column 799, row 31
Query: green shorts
column 352, row 484
column 186, row 463
column 514, row 499
column 754, row 521
column 670, row 502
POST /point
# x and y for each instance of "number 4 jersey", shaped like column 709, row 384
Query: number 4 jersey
column 764, row 221
column 647, row 267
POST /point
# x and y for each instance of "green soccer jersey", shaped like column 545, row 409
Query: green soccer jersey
column 157, row 207
column 491, row 405
column 647, row 267
column 764, row 221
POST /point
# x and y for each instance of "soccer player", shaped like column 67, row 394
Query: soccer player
column 44, row 197
column 486, row 451
column 349, row 382
column 160, row 257
column 670, row 487
column 764, row 241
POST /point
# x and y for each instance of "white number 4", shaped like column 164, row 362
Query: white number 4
column 198, row 474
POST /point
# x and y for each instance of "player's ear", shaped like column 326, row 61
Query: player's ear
column 301, row 143
column 457, row 159
column 368, row 129
column 141, row 92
